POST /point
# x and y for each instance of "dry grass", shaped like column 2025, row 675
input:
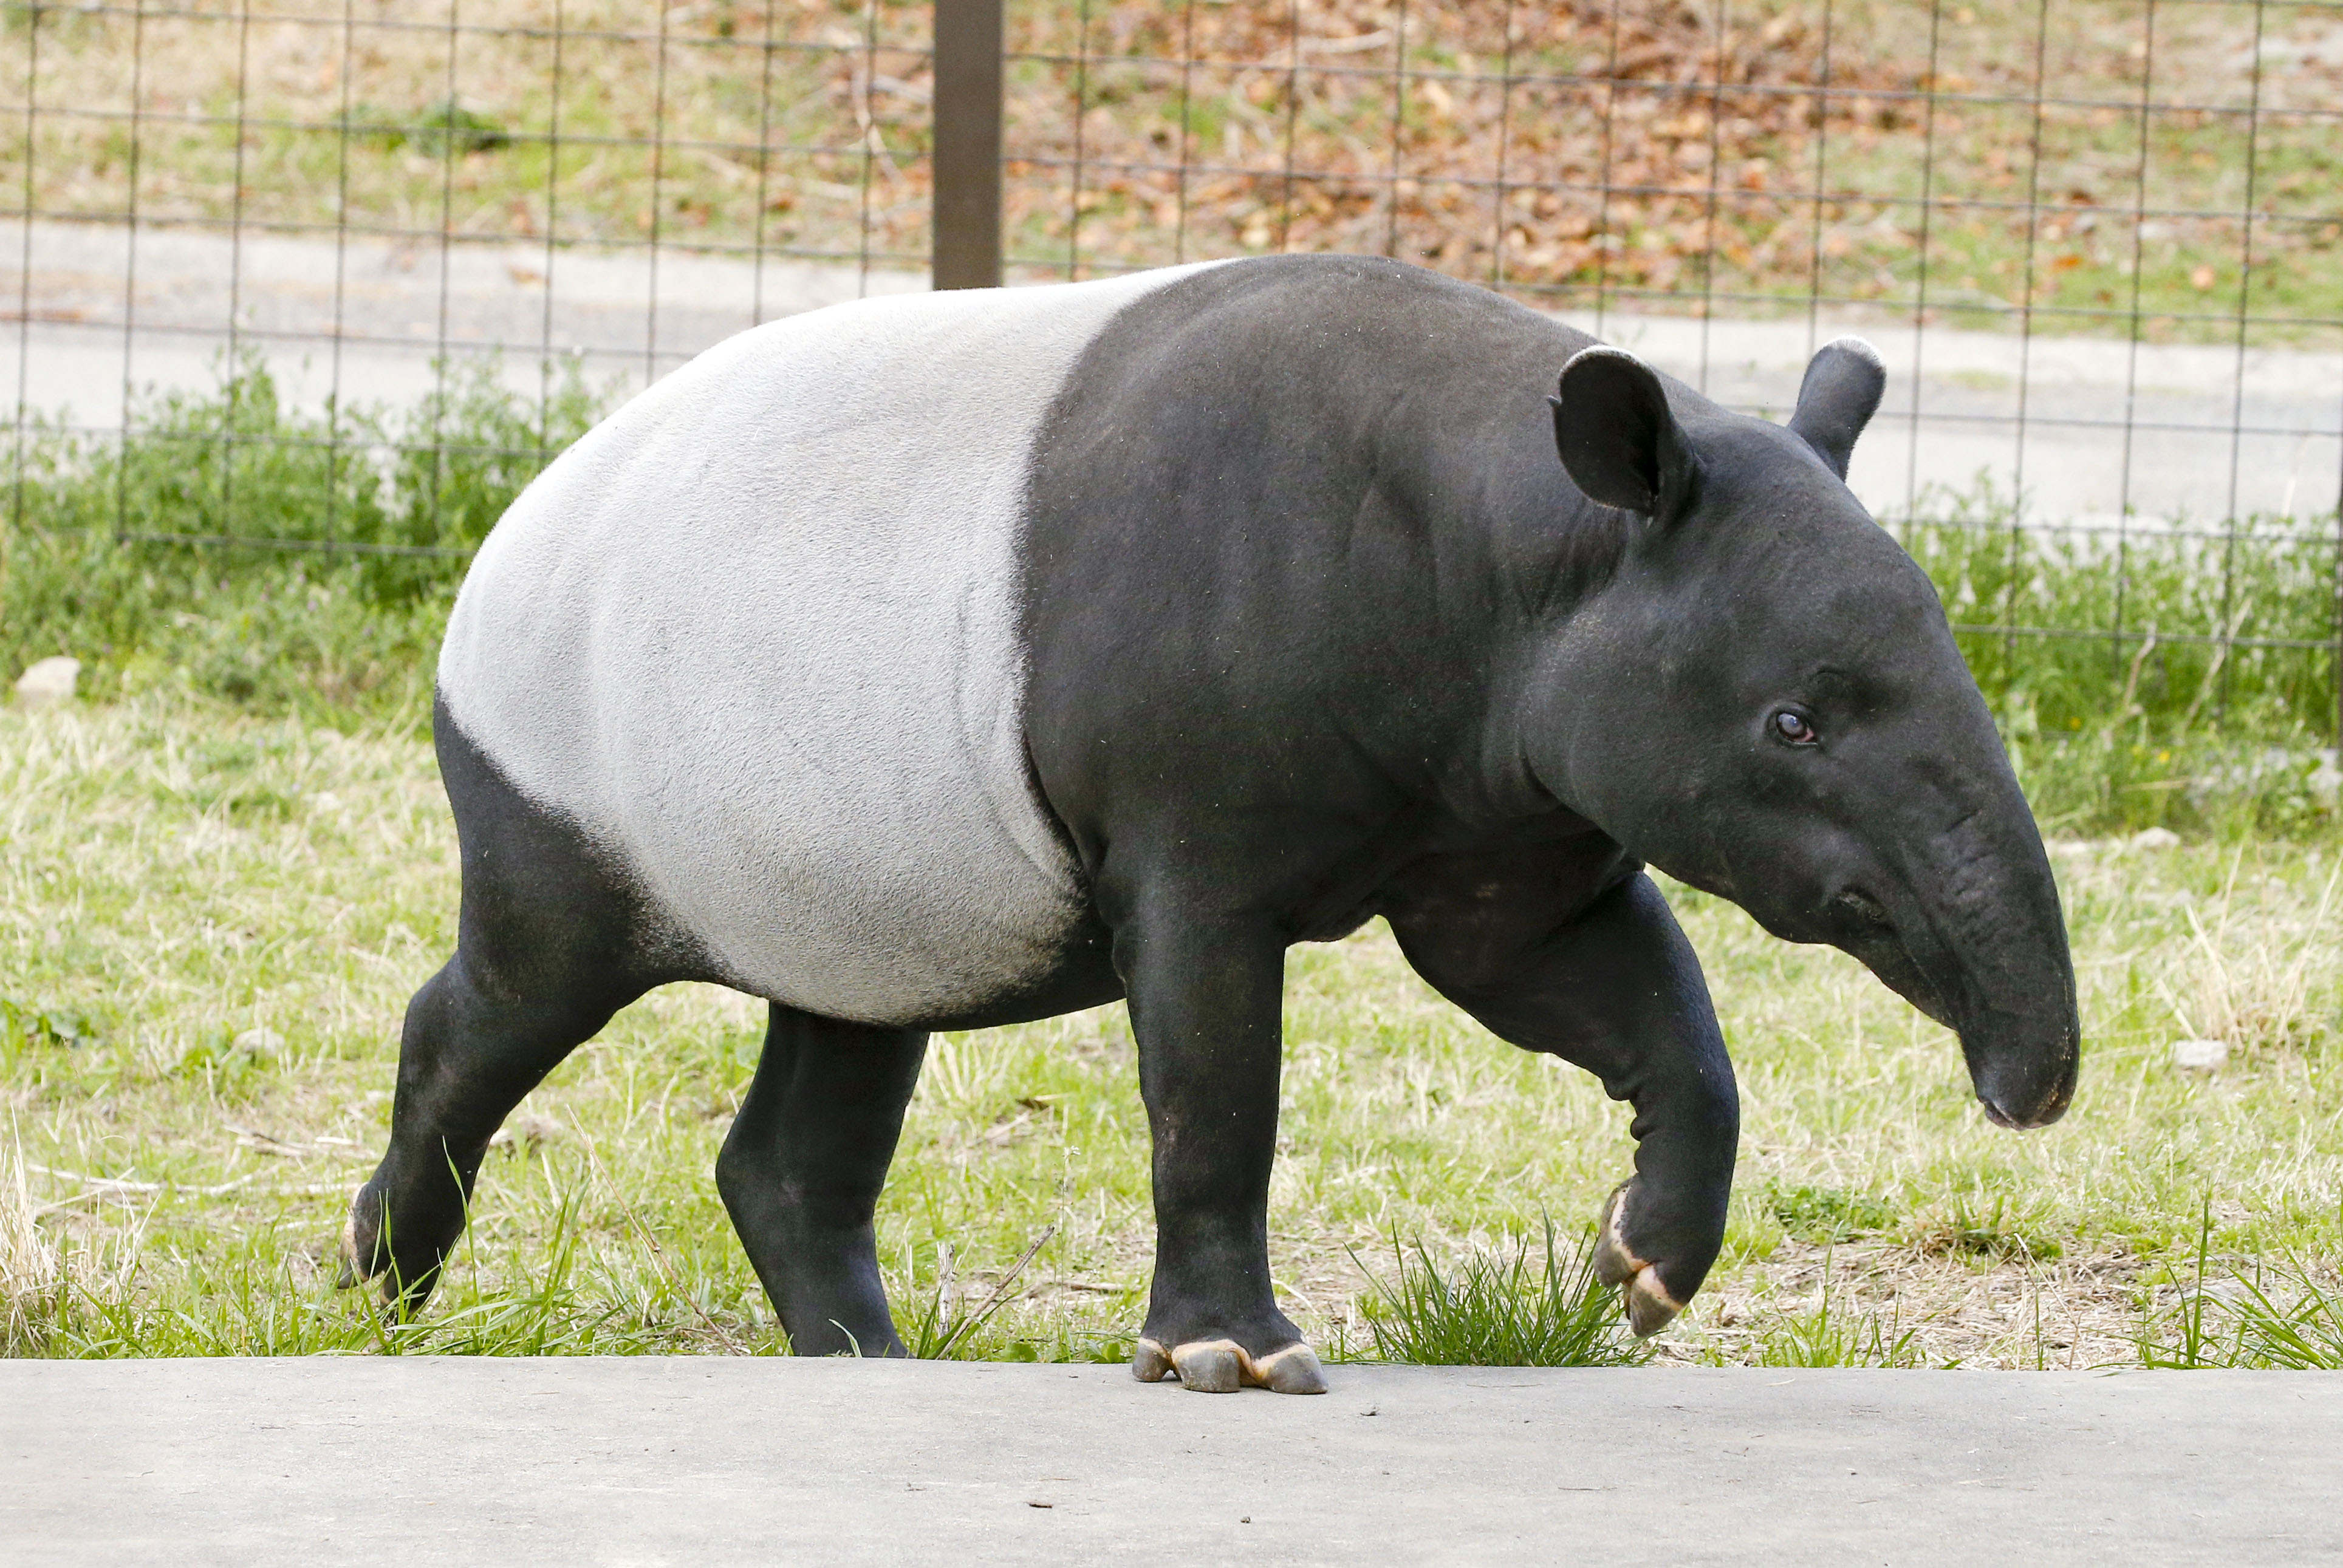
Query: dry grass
column 47, row 1273
column 175, row 880
column 31, row 1270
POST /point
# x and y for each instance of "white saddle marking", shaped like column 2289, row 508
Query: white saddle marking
column 757, row 636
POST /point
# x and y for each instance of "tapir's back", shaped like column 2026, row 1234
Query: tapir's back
column 757, row 637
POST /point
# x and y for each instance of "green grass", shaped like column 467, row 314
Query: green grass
column 1499, row 1309
column 2286, row 1313
column 1813, row 1213
column 191, row 1187
column 1829, row 1336
column 2169, row 724
column 336, row 635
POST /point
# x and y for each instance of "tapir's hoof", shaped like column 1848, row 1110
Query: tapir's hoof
column 359, row 1263
column 1650, row 1308
column 352, row 1274
column 1224, row 1366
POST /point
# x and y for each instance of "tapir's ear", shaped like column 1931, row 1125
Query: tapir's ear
column 1838, row 399
column 1619, row 442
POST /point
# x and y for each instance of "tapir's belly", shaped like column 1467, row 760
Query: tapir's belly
column 758, row 638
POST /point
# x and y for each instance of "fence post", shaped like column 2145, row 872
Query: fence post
column 967, row 159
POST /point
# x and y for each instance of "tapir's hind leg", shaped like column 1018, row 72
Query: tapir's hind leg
column 472, row 1047
column 550, row 942
column 803, row 1167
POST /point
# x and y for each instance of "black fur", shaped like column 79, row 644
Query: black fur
column 1322, row 629
column 551, row 940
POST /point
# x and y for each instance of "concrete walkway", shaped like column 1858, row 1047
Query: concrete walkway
column 693, row 1461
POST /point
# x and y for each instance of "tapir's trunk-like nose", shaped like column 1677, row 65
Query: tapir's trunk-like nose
column 1989, row 907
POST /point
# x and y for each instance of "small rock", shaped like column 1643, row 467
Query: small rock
column 260, row 1044
column 2201, row 1055
column 2155, row 838
column 48, row 683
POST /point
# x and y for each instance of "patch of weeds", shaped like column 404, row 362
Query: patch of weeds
column 2219, row 718
column 554, row 1312
column 2184, row 1337
column 230, row 1065
column 98, row 555
column 2280, row 1317
column 241, row 803
column 2303, row 1333
column 947, row 1324
column 223, row 779
column 1495, row 1310
column 543, row 1316
column 1059, row 1343
column 48, row 1282
column 1967, row 1228
column 27, row 1026
column 1824, row 1215
column 1829, row 1337
column 32, row 1277
column 433, row 131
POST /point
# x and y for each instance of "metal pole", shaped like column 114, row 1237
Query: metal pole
column 967, row 143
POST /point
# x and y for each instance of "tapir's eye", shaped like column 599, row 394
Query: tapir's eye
column 1794, row 727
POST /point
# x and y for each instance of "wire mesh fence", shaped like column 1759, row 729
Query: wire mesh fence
column 373, row 202
column 2096, row 241
column 2100, row 242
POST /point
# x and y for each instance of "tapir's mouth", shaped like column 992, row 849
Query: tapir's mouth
column 1861, row 925
column 2021, row 1122
column 2048, row 1111
column 2026, row 1077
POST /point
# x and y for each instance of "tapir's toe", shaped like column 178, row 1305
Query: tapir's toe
column 1210, row 1366
column 1224, row 1366
column 1650, row 1308
column 354, row 1271
column 364, row 1258
column 1151, row 1362
column 1293, row 1370
column 348, row 1276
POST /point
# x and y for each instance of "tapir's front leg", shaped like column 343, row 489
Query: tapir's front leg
column 1616, row 988
column 1206, row 994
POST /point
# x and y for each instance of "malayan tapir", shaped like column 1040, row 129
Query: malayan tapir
column 939, row 661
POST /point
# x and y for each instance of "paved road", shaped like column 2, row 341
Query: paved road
column 703, row 1462
column 92, row 311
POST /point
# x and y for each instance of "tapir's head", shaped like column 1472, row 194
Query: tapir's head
column 1765, row 701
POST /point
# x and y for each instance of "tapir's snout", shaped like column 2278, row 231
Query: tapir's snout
column 1965, row 923
column 2000, row 962
column 2029, row 1079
